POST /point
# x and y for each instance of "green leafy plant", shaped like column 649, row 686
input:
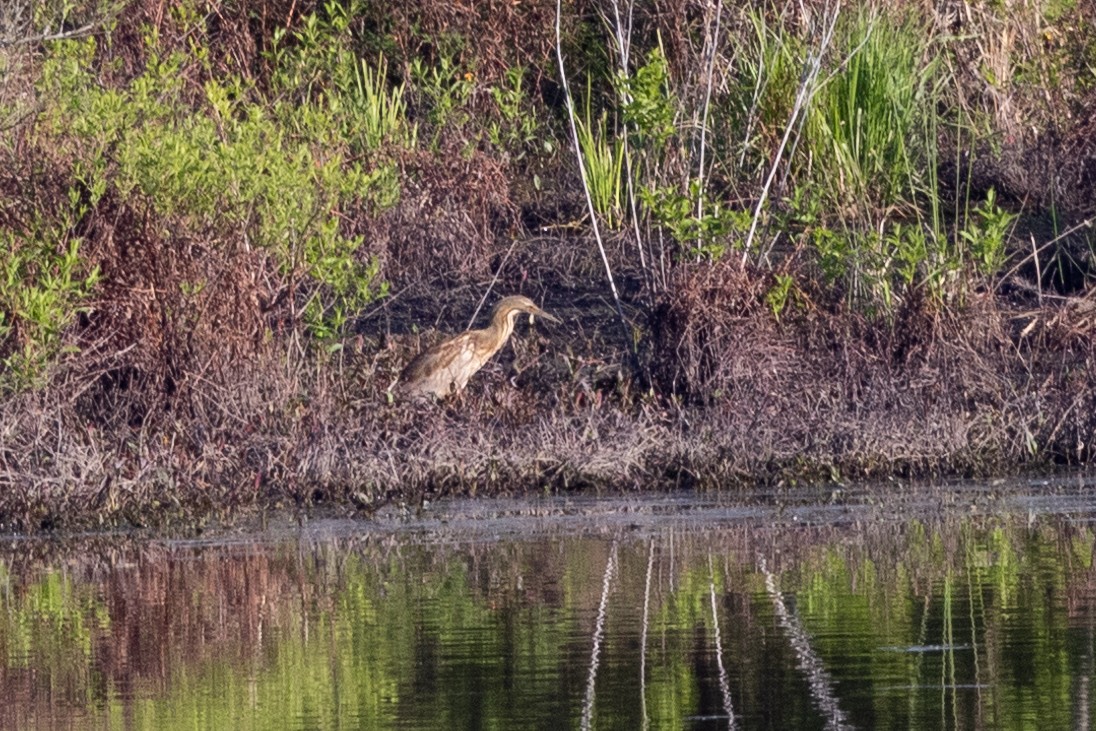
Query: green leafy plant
column 518, row 126
column 445, row 88
column 649, row 110
column 985, row 234
column 647, row 105
column 45, row 284
column 783, row 292
column 704, row 236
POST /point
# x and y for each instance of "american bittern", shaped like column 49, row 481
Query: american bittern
column 446, row 367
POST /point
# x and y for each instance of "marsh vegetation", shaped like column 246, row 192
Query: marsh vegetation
column 788, row 242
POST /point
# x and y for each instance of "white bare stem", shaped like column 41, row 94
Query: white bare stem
column 807, row 87
column 582, row 172
column 622, row 32
column 713, row 49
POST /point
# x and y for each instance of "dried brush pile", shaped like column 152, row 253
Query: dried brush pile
column 989, row 383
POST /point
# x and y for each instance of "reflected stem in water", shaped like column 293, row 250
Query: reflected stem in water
column 724, row 683
column 818, row 679
column 1081, row 696
column 974, row 599
column 643, row 634
column 599, row 632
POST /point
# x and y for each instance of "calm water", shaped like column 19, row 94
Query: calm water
column 968, row 606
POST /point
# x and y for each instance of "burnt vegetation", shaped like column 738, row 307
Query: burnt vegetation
column 852, row 242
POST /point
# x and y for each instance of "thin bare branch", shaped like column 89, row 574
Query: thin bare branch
column 585, row 181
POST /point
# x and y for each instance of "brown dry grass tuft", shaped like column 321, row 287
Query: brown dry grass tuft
column 453, row 210
column 966, row 389
column 707, row 329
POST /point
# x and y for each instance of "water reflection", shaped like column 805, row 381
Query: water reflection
column 660, row 612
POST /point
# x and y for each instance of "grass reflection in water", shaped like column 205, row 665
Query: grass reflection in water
column 710, row 616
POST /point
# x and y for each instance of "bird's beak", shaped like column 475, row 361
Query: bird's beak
column 541, row 313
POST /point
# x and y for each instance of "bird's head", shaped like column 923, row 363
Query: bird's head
column 509, row 307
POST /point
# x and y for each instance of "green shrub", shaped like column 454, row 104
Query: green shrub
column 445, row 89
column 702, row 236
column 325, row 93
column 517, row 128
column 222, row 161
column 648, row 106
column 43, row 286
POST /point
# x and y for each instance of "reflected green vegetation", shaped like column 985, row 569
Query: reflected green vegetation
column 956, row 623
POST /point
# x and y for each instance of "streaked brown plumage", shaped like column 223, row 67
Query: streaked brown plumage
column 446, row 367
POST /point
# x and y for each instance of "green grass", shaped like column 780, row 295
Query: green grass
column 866, row 134
column 603, row 162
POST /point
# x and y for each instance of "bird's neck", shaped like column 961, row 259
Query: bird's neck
column 502, row 325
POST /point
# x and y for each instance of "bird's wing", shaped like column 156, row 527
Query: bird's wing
column 444, row 368
column 461, row 361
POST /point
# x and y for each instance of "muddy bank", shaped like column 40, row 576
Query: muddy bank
column 813, row 398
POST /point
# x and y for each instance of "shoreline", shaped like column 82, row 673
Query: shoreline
column 813, row 404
